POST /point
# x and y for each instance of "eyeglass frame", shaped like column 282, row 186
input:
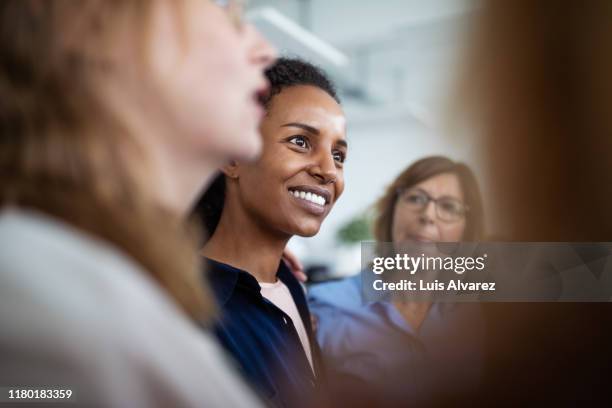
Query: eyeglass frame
column 400, row 191
column 235, row 10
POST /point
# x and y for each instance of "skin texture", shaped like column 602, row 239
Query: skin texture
column 191, row 102
column 258, row 207
column 424, row 226
column 209, row 65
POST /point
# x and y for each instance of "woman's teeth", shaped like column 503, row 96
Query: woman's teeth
column 313, row 198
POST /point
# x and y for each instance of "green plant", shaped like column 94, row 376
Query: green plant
column 355, row 230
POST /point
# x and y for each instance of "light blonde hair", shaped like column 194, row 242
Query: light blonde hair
column 64, row 154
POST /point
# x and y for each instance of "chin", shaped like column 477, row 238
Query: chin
column 248, row 148
column 307, row 231
column 307, row 234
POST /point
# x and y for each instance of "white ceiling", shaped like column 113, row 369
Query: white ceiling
column 402, row 53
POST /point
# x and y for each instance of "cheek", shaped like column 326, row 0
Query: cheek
column 402, row 224
column 261, row 185
column 452, row 232
column 214, row 59
column 217, row 101
column 254, row 182
column 339, row 186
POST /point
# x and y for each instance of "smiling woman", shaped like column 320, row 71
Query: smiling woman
column 304, row 153
column 253, row 209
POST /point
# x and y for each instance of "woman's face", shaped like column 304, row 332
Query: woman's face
column 206, row 73
column 424, row 225
column 299, row 176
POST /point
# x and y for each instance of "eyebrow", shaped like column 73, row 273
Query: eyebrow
column 442, row 196
column 303, row 126
column 312, row 130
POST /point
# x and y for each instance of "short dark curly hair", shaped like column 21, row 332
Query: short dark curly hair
column 285, row 73
column 288, row 72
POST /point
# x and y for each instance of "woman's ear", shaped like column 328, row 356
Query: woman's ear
column 231, row 169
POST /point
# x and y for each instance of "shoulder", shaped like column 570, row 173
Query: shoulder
column 76, row 310
column 344, row 293
column 37, row 244
column 90, row 291
column 47, row 259
column 222, row 278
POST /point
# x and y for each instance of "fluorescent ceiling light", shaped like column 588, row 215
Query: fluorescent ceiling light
column 291, row 38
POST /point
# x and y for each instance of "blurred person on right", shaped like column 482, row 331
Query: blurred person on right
column 538, row 87
column 113, row 117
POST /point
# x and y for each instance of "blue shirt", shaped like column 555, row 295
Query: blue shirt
column 374, row 344
column 261, row 337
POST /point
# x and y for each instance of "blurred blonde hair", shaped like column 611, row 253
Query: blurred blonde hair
column 63, row 153
column 538, row 84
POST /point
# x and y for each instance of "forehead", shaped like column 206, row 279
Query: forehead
column 307, row 104
column 445, row 184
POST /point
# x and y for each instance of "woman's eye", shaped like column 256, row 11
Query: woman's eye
column 339, row 156
column 452, row 207
column 299, row 141
column 416, row 199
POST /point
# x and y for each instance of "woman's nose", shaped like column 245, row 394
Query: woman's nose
column 428, row 213
column 324, row 169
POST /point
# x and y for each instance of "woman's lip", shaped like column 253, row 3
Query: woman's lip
column 309, row 206
column 419, row 238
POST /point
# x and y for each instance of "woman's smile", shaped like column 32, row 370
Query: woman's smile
column 311, row 198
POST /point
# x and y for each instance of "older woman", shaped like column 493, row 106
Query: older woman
column 397, row 348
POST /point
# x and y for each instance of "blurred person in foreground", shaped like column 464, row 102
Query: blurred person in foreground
column 538, row 86
column 113, row 116
column 252, row 210
column 401, row 349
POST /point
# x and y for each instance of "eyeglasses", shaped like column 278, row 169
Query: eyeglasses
column 448, row 209
column 234, row 9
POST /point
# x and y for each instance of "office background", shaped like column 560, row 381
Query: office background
column 394, row 63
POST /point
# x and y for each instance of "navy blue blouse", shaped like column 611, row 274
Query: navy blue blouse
column 261, row 337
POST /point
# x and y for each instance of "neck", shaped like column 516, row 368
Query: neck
column 246, row 244
column 413, row 312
